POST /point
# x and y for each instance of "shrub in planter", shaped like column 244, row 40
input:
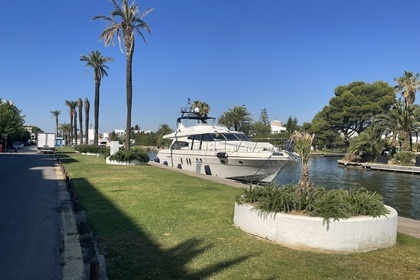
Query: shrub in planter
column 318, row 202
column 130, row 155
column 92, row 149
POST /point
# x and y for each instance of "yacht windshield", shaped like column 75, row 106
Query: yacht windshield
column 231, row 137
column 242, row 137
column 217, row 136
column 209, row 137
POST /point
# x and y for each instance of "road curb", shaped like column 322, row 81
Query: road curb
column 73, row 268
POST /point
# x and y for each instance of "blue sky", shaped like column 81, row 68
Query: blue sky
column 285, row 56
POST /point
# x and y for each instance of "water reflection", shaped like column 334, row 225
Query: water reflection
column 399, row 190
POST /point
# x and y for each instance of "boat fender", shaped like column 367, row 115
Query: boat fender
column 165, row 163
column 222, row 155
column 157, row 160
column 179, row 166
column 207, row 169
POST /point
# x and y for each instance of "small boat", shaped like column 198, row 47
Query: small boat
column 215, row 150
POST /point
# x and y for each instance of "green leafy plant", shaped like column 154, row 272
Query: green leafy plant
column 130, row 155
column 319, row 202
column 92, row 149
column 405, row 158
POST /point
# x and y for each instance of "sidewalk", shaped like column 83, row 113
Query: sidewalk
column 409, row 226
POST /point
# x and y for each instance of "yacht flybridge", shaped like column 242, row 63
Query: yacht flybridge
column 217, row 151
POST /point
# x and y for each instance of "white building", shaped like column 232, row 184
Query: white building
column 277, row 126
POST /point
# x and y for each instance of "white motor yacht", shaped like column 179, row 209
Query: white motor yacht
column 218, row 151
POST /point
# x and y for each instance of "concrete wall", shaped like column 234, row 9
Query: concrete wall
column 351, row 235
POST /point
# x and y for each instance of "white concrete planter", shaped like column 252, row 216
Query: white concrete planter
column 133, row 162
column 352, row 235
column 90, row 154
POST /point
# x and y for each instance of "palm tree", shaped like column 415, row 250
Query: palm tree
column 66, row 128
column 97, row 61
column 369, row 142
column 80, row 109
column 401, row 122
column 86, row 104
column 72, row 105
column 408, row 84
column 238, row 117
column 203, row 107
column 55, row 115
column 302, row 145
column 123, row 22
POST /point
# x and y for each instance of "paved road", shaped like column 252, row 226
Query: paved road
column 30, row 233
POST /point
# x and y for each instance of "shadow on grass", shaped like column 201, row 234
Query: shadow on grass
column 65, row 159
column 131, row 253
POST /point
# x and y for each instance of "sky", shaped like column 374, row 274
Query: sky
column 284, row 56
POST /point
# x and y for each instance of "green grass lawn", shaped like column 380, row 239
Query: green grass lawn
column 153, row 223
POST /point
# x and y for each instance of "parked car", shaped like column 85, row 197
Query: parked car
column 18, row 145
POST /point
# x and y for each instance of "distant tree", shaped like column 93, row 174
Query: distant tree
column 124, row 21
column 36, row 130
column 369, row 142
column 80, row 109
column 145, row 139
column 292, row 125
column 66, row 128
column 11, row 123
column 114, row 137
column 325, row 136
column 237, row 117
column 203, row 107
column 98, row 62
column 401, row 122
column 407, row 85
column 353, row 107
column 259, row 129
column 163, row 130
column 72, row 106
column 306, row 127
column 55, row 115
column 86, row 105
column 264, row 117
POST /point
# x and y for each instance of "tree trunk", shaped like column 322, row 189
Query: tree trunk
column 86, row 104
column 80, row 119
column 305, row 183
column 129, row 97
column 56, row 126
column 96, row 113
column 71, row 127
column 75, row 126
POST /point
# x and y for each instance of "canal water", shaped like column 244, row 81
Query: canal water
column 399, row 190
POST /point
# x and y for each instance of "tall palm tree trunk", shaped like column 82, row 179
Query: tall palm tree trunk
column 71, row 127
column 75, row 126
column 56, row 125
column 79, row 107
column 96, row 113
column 86, row 104
column 129, row 97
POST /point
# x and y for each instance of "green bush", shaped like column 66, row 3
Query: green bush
column 132, row 154
column 405, row 158
column 319, row 202
column 92, row 149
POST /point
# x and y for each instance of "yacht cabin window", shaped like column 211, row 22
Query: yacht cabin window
column 178, row 145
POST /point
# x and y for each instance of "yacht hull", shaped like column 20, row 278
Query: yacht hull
column 246, row 167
